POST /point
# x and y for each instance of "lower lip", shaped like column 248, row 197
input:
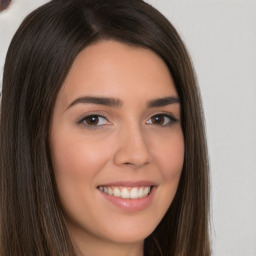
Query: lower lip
column 131, row 205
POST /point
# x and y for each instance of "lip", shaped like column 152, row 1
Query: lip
column 129, row 184
column 130, row 205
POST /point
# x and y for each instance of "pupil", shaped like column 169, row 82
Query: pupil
column 158, row 120
column 92, row 120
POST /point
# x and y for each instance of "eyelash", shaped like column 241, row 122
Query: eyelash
column 83, row 122
column 171, row 118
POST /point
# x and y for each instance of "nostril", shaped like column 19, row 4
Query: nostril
column 4, row 4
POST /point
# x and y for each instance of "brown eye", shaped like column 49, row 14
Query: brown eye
column 92, row 120
column 158, row 120
column 161, row 120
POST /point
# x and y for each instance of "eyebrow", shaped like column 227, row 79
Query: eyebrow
column 161, row 102
column 114, row 102
column 110, row 102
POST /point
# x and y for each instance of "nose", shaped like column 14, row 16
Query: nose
column 132, row 148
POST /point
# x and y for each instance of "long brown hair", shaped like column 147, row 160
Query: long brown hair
column 38, row 60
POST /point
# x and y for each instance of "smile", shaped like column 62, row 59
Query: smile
column 126, row 192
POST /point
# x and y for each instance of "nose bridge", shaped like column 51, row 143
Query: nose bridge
column 132, row 146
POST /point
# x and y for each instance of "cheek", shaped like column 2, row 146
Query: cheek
column 77, row 156
column 76, row 162
column 172, row 162
column 170, row 157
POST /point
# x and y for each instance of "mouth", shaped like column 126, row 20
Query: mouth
column 127, row 192
column 129, row 196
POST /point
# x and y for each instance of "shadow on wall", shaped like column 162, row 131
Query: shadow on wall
column 4, row 4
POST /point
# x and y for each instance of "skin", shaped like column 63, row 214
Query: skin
column 127, row 143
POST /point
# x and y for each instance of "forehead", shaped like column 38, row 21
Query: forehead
column 114, row 69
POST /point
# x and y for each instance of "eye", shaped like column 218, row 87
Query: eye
column 93, row 121
column 161, row 120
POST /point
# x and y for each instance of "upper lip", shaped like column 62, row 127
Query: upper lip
column 129, row 183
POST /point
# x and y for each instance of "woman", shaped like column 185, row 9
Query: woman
column 102, row 140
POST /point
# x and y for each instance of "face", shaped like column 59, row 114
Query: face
column 116, row 143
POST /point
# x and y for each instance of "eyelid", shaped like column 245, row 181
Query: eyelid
column 172, row 118
column 92, row 113
column 82, row 118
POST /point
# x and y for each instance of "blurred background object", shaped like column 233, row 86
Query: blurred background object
column 4, row 4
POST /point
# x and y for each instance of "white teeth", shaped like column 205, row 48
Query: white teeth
column 134, row 193
column 146, row 190
column 141, row 190
column 110, row 192
column 117, row 192
column 127, row 192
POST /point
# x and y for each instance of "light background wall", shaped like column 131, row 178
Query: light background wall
column 221, row 38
